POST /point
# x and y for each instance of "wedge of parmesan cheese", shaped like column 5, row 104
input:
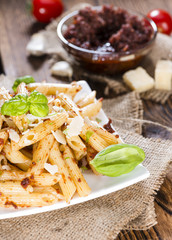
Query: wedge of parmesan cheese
column 52, row 169
column 163, row 75
column 138, row 80
column 62, row 68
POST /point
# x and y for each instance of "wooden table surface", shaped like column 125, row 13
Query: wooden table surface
column 16, row 27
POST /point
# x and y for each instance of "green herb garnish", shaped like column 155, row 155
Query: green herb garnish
column 119, row 159
column 67, row 157
column 88, row 135
column 83, row 168
column 25, row 79
column 98, row 120
column 36, row 103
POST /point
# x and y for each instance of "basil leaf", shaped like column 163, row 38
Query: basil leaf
column 38, row 104
column 119, row 159
column 25, row 79
column 37, row 97
column 39, row 110
column 16, row 106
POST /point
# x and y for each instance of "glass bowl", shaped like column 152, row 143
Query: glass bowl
column 105, row 62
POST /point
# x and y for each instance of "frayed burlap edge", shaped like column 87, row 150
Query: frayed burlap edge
column 148, row 219
column 159, row 96
column 129, row 106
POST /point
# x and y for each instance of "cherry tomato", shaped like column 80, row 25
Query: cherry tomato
column 45, row 10
column 162, row 19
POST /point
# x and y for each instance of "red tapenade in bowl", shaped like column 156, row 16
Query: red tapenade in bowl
column 106, row 39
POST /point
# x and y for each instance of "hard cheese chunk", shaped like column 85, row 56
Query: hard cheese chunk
column 138, row 80
column 163, row 75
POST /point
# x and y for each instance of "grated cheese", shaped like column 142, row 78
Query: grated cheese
column 6, row 167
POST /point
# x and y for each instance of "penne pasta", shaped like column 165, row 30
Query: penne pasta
column 1, row 121
column 69, row 105
column 92, row 109
column 52, row 88
column 91, row 153
column 14, row 187
column 14, row 156
column 3, row 139
column 41, row 154
column 30, row 200
column 66, row 184
column 42, row 130
column 78, row 147
column 90, row 98
column 45, row 140
column 81, row 185
column 95, row 141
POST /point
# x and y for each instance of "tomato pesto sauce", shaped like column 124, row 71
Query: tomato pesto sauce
column 108, row 29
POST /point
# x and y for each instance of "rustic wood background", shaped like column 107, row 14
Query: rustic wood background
column 16, row 27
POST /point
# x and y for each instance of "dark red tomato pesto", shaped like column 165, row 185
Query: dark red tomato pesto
column 108, row 29
column 108, row 126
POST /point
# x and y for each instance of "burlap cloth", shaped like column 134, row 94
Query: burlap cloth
column 103, row 218
column 161, row 50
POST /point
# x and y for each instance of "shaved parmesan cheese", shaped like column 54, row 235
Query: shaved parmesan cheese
column 92, row 123
column 2, row 102
column 50, row 99
column 52, row 169
column 75, row 127
column 35, row 121
column 58, row 109
column 4, row 93
column 23, row 133
column 59, row 136
column 62, row 68
column 6, row 167
column 14, row 136
column 36, row 45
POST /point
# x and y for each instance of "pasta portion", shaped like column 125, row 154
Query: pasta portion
column 42, row 157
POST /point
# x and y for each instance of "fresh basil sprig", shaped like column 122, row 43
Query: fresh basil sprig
column 15, row 106
column 118, row 159
column 36, row 103
column 25, row 79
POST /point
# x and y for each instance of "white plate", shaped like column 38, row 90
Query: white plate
column 100, row 185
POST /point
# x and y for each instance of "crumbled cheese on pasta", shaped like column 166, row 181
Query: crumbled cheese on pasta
column 14, row 136
column 50, row 99
column 58, row 109
column 52, row 169
column 35, row 121
column 23, row 133
column 92, row 123
column 59, row 136
column 6, row 167
column 1, row 102
column 75, row 127
column 5, row 93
